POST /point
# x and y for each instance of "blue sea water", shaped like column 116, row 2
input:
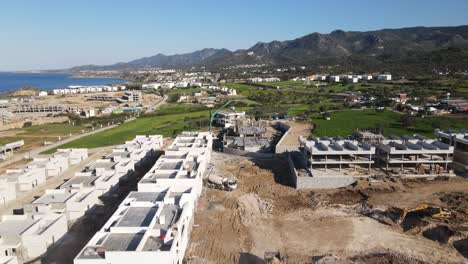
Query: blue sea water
column 13, row 81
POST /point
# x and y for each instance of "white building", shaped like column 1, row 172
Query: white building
column 148, row 227
column 53, row 166
column 72, row 203
column 384, row 77
column 227, row 118
column 29, row 236
column 151, row 86
column 74, row 155
column 7, row 190
column 167, row 85
column 334, row 78
column 25, row 179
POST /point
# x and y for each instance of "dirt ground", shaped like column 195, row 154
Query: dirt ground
column 265, row 215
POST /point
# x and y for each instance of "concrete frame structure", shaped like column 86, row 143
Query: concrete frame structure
column 29, row 236
column 326, row 152
column 459, row 140
column 415, row 150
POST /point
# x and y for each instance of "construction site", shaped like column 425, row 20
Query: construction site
column 386, row 220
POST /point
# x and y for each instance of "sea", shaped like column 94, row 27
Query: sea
column 10, row 81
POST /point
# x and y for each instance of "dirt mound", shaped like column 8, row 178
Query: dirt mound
column 385, row 258
column 456, row 200
column 440, row 234
column 347, row 197
column 251, row 206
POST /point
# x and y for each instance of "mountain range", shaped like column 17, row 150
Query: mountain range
column 386, row 49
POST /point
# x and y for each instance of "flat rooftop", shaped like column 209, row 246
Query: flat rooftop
column 138, row 217
column 15, row 227
column 54, row 198
column 84, row 180
column 122, row 242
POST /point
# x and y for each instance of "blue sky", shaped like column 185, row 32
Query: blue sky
column 51, row 34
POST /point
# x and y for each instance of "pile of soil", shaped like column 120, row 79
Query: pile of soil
column 251, row 206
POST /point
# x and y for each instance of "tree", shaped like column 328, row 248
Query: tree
column 407, row 121
column 27, row 124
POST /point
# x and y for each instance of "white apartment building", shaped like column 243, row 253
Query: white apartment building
column 25, row 179
column 167, row 85
column 72, row 203
column 53, row 166
column 29, row 236
column 334, row 78
column 384, row 77
column 147, row 227
column 151, row 86
column 74, row 155
column 227, row 118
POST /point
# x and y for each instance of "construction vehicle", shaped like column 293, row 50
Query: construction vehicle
column 426, row 210
column 221, row 183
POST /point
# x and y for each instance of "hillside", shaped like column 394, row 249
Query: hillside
column 380, row 49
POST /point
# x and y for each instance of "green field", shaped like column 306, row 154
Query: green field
column 54, row 129
column 346, row 122
column 178, row 108
column 166, row 125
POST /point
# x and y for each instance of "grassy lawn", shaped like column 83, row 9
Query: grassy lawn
column 346, row 122
column 166, row 125
column 177, row 108
column 54, row 129
column 183, row 90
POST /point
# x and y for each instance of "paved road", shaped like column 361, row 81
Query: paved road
column 52, row 182
column 158, row 103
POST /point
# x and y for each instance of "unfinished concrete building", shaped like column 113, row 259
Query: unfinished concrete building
column 459, row 140
column 183, row 165
column 147, row 227
column 154, row 223
column 327, row 153
column 415, row 155
column 29, row 236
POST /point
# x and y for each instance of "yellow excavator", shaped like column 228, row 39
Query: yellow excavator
column 426, row 210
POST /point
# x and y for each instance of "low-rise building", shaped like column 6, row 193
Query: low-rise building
column 74, row 155
column 384, row 77
column 334, row 78
column 25, row 179
column 425, row 156
column 459, row 140
column 328, row 153
column 228, row 119
column 147, row 227
column 53, row 166
column 29, row 236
